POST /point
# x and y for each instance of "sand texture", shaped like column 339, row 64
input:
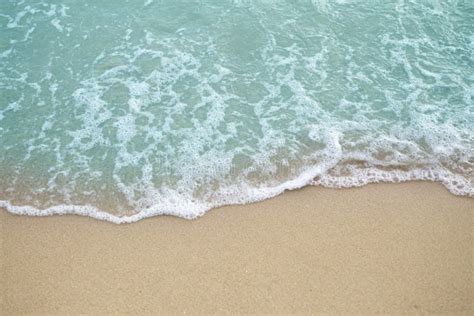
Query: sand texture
column 384, row 248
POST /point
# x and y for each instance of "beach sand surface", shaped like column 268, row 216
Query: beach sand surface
column 384, row 248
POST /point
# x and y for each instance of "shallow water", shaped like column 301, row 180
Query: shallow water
column 122, row 110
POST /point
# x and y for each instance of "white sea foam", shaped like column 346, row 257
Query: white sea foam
column 173, row 204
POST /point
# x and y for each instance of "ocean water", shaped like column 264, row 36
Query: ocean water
column 122, row 110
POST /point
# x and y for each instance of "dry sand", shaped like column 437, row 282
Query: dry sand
column 385, row 248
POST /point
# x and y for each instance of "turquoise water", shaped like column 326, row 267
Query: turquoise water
column 122, row 110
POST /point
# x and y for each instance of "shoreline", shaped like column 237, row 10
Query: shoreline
column 381, row 248
column 456, row 185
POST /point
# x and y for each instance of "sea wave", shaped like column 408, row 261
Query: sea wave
column 122, row 112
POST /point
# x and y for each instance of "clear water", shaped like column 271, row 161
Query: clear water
column 122, row 110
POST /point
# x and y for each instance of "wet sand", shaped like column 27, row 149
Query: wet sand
column 384, row 248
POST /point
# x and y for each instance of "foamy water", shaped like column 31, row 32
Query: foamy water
column 122, row 110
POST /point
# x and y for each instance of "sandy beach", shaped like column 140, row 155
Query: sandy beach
column 384, row 248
